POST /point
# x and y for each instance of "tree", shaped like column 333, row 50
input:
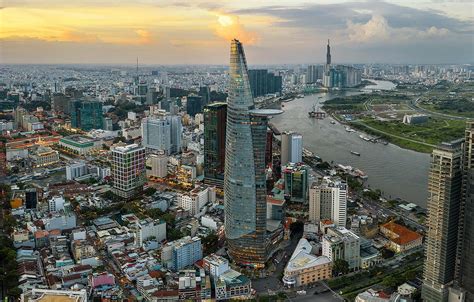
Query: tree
column 149, row 191
column 210, row 243
column 389, row 281
column 340, row 267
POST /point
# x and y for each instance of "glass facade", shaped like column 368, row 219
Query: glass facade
column 244, row 184
column 86, row 115
column 215, row 116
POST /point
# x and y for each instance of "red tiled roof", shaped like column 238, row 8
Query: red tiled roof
column 403, row 235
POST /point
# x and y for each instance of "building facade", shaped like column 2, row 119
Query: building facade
column 291, row 148
column 444, row 196
column 263, row 82
column 128, row 170
column 328, row 200
column 86, row 115
column 245, row 178
column 296, row 181
column 215, row 116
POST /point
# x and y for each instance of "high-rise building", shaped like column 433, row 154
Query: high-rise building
column 194, row 105
column 465, row 269
column 157, row 165
column 162, row 133
column 263, row 82
column 444, row 198
column 245, row 179
column 128, row 170
column 295, row 177
column 340, row 243
column 181, row 253
column 328, row 54
column 314, row 73
column 291, row 148
column 328, row 200
column 215, row 116
column 205, row 94
column 61, row 103
column 86, row 115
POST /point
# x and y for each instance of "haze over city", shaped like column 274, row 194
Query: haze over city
column 198, row 32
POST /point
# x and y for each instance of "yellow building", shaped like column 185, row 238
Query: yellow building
column 305, row 268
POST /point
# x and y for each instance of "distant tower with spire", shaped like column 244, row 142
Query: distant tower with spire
column 328, row 54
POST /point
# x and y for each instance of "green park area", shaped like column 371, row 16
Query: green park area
column 421, row 137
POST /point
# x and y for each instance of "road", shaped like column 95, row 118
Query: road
column 273, row 282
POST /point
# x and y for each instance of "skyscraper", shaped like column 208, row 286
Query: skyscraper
column 86, row 115
column 328, row 54
column 193, row 104
column 215, row 116
column 263, row 82
column 465, row 273
column 245, row 180
column 444, row 188
column 291, row 148
column 128, row 170
column 328, row 200
column 295, row 177
column 162, row 133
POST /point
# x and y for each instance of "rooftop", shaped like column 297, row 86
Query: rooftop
column 403, row 235
column 302, row 257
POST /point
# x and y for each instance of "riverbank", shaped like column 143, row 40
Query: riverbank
column 385, row 164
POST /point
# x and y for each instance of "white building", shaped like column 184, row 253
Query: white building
column 149, row 228
column 157, row 165
column 194, row 200
column 76, row 170
column 340, row 243
column 162, row 133
column 291, row 148
column 128, row 169
column 56, row 204
column 328, row 200
column 216, row 265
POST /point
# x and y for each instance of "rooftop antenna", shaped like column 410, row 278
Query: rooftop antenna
column 137, row 66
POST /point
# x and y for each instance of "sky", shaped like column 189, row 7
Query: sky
column 199, row 31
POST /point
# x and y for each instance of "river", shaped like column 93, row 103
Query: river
column 395, row 171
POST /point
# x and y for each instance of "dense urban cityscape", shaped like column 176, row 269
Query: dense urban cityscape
column 237, row 182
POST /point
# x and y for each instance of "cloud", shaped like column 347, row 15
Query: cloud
column 145, row 37
column 229, row 27
column 377, row 30
column 336, row 16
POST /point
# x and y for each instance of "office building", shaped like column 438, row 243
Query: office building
column 194, row 105
column 215, row 116
column 295, row 178
column 314, row 73
column 263, row 82
column 31, row 198
column 128, row 170
column 340, row 243
column 86, row 115
column 76, row 170
column 304, row 267
column 194, row 200
column 328, row 200
column 148, row 229
column 61, row 103
column 205, row 94
column 444, row 196
column 291, row 148
column 162, row 133
column 245, row 177
column 465, row 268
column 157, row 165
column 339, row 76
column 181, row 253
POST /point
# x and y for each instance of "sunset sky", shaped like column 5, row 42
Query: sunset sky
column 198, row 32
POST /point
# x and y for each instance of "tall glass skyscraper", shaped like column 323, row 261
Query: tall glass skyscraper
column 86, row 115
column 245, row 180
column 215, row 116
